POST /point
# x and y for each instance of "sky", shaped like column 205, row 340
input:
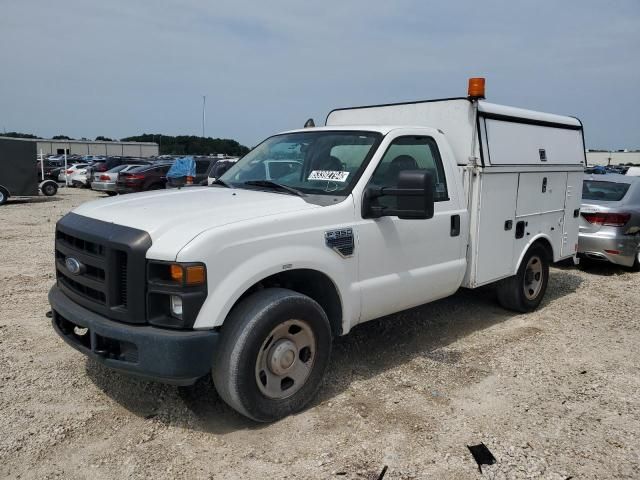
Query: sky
column 117, row 68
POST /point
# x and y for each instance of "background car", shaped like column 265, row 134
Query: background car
column 51, row 169
column 610, row 220
column 204, row 165
column 107, row 181
column 71, row 169
column 140, row 179
column 220, row 167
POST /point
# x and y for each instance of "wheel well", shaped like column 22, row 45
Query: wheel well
column 547, row 246
column 311, row 283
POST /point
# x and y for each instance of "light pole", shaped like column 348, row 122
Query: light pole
column 204, row 103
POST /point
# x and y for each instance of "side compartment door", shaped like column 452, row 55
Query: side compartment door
column 494, row 240
column 405, row 263
column 571, row 225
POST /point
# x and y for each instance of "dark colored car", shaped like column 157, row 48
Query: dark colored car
column 51, row 170
column 204, row 166
column 141, row 179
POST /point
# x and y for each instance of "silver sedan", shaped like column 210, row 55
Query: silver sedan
column 106, row 181
column 610, row 219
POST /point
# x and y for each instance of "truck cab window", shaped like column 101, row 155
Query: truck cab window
column 411, row 153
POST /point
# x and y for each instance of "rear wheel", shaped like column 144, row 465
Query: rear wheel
column 274, row 349
column 524, row 291
column 4, row 196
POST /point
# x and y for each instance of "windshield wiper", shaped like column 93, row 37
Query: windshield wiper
column 217, row 181
column 274, row 185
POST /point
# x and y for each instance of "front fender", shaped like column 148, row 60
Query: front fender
column 224, row 291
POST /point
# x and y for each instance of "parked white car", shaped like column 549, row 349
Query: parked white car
column 80, row 178
column 383, row 209
column 70, row 171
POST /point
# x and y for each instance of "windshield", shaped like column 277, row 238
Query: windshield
column 316, row 162
column 605, row 191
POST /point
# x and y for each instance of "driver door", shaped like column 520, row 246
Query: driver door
column 405, row 263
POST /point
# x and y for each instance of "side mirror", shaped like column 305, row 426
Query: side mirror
column 414, row 197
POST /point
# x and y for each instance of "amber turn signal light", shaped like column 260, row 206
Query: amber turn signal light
column 476, row 88
column 196, row 275
column 190, row 275
column 176, row 273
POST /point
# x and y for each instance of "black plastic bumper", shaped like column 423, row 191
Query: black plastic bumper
column 168, row 356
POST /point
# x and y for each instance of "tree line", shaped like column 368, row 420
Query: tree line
column 168, row 144
column 191, row 145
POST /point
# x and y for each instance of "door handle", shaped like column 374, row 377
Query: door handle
column 455, row 225
column 520, row 229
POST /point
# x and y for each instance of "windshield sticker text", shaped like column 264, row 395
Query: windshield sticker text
column 333, row 175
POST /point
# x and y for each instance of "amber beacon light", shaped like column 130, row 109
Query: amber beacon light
column 476, row 88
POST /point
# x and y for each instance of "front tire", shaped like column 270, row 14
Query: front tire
column 524, row 291
column 274, row 348
column 4, row 196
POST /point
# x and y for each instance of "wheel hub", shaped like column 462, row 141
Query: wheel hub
column 533, row 278
column 285, row 359
column 281, row 356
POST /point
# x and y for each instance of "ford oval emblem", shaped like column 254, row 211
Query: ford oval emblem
column 73, row 265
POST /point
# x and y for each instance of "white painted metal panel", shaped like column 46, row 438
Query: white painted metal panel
column 494, row 245
column 505, row 110
column 571, row 222
column 452, row 117
column 541, row 193
column 513, row 143
column 547, row 226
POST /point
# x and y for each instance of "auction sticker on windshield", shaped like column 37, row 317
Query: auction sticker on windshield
column 333, row 175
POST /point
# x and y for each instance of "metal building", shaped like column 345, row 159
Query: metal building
column 92, row 147
column 613, row 158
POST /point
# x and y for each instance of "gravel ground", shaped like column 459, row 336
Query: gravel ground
column 553, row 394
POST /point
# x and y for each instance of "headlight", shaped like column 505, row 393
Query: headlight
column 175, row 293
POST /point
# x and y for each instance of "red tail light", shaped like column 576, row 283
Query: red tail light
column 134, row 176
column 69, row 171
column 105, row 178
column 607, row 219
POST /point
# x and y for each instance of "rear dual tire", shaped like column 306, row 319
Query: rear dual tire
column 524, row 291
column 273, row 352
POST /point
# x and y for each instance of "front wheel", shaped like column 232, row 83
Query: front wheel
column 524, row 291
column 4, row 196
column 274, row 348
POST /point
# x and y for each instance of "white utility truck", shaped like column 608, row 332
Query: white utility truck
column 384, row 208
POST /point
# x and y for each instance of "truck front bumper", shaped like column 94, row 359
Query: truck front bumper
column 177, row 357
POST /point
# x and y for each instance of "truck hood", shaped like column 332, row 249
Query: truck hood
column 174, row 217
